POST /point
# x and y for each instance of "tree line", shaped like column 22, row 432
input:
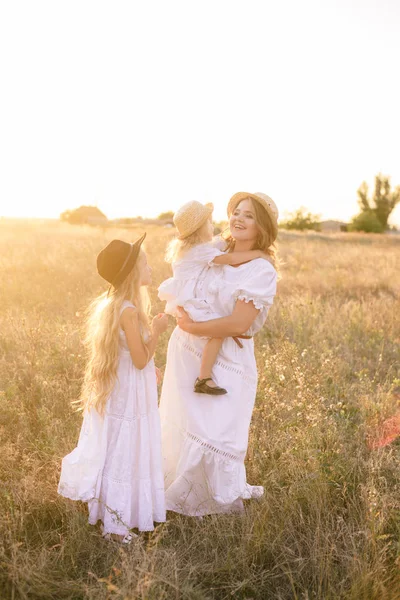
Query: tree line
column 375, row 210
column 373, row 217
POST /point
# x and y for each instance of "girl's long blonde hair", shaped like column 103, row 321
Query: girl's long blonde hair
column 178, row 248
column 102, row 338
column 264, row 240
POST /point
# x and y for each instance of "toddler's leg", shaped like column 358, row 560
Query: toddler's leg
column 209, row 357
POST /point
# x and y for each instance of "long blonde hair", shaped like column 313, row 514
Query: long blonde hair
column 102, row 338
column 178, row 247
column 264, row 240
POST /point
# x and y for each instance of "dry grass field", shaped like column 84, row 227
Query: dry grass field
column 328, row 526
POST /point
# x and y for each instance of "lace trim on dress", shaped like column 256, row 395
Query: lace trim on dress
column 258, row 302
column 71, row 492
column 209, row 446
column 218, row 362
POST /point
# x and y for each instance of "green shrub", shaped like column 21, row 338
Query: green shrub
column 166, row 216
column 301, row 219
column 383, row 201
column 366, row 221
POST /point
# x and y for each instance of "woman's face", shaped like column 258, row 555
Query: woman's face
column 242, row 222
column 145, row 269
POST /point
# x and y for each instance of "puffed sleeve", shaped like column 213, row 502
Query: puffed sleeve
column 205, row 254
column 259, row 286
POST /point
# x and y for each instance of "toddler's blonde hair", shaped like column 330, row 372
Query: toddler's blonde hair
column 178, row 247
column 102, row 337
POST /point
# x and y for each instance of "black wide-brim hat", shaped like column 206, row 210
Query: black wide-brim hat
column 116, row 261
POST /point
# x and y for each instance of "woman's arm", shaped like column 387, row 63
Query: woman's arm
column 236, row 258
column 140, row 352
column 237, row 323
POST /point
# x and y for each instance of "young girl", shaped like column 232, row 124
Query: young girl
column 117, row 465
column 191, row 253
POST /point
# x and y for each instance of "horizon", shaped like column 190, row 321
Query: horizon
column 219, row 215
column 215, row 220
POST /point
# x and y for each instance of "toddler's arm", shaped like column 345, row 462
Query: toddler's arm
column 236, row 258
column 241, row 319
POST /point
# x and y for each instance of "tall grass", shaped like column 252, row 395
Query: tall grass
column 328, row 526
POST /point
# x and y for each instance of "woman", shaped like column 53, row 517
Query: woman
column 205, row 438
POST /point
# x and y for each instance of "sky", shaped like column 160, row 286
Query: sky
column 138, row 107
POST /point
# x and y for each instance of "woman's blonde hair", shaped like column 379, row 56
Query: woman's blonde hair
column 102, row 337
column 178, row 248
column 264, row 241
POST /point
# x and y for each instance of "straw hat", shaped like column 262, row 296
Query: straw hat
column 117, row 259
column 190, row 217
column 265, row 201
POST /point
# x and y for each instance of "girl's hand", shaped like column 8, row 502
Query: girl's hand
column 183, row 319
column 160, row 323
column 159, row 376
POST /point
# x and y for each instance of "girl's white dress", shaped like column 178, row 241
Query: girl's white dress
column 205, row 437
column 188, row 272
column 117, row 465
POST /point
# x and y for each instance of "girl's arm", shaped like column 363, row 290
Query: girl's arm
column 140, row 352
column 237, row 323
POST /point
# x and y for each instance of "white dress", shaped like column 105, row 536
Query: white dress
column 117, row 465
column 205, row 437
column 188, row 272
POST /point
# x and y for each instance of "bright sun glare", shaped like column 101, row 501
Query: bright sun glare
column 140, row 107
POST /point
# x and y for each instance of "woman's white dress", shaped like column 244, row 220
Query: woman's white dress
column 188, row 273
column 205, row 437
column 117, row 465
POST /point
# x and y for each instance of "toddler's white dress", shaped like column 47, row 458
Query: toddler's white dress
column 188, row 273
column 117, row 464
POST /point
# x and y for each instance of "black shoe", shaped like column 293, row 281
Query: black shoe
column 201, row 387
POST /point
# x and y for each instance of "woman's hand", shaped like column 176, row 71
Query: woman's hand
column 183, row 319
column 160, row 323
column 159, row 376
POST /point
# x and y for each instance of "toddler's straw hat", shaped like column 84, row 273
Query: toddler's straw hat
column 265, row 201
column 117, row 259
column 190, row 217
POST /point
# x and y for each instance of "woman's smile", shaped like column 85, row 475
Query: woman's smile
column 242, row 223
